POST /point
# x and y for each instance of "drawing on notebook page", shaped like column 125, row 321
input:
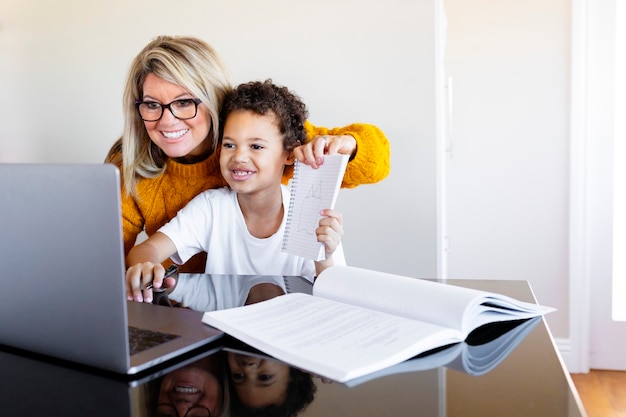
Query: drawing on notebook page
column 309, row 210
column 312, row 190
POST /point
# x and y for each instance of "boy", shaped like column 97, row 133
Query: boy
column 241, row 227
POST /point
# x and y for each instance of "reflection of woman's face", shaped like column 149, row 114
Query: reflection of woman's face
column 258, row 382
column 193, row 385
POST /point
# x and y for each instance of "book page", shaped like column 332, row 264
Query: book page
column 312, row 190
column 408, row 297
column 331, row 339
column 447, row 305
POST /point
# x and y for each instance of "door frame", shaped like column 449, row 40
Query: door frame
column 592, row 136
column 576, row 355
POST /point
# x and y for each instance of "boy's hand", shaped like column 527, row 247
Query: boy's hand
column 141, row 278
column 330, row 230
column 312, row 153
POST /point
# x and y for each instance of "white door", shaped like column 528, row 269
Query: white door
column 506, row 175
column 478, row 171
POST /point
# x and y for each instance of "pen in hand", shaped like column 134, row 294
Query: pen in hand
column 168, row 273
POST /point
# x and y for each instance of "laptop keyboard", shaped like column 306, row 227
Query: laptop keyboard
column 142, row 339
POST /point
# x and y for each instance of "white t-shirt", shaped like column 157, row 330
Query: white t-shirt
column 212, row 222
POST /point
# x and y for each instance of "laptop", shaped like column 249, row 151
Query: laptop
column 62, row 263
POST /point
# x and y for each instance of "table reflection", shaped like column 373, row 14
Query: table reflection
column 203, row 292
column 233, row 379
column 240, row 381
column 261, row 385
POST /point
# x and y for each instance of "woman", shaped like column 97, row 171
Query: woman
column 167, row 153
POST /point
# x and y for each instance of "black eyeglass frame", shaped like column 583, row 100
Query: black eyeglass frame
column 195, row 101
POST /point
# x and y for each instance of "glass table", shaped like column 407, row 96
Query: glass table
column 516, row 370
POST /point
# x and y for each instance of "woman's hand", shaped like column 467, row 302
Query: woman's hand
column 312, row 153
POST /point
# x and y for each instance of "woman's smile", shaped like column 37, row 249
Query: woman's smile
column 175, row 134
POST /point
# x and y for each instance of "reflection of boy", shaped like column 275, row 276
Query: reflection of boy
column 263, row 387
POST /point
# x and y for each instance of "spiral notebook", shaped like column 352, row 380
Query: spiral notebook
column 311, row 191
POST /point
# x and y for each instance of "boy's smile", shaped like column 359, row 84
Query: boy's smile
column 242, row 175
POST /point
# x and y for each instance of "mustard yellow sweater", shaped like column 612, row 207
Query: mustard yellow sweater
column 162, row 197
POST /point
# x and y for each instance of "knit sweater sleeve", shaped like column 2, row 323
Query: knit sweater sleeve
column 371, row 162
column 132, row 218
column 132, row 221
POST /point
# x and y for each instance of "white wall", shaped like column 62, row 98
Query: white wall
column 508, row 175
column 63, row 66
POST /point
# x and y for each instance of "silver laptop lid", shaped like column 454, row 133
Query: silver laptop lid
column 62, row 262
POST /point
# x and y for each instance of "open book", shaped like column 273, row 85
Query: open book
column 312, row 190
column 360, row 321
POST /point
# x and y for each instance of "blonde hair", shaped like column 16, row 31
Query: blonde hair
column 186, row 61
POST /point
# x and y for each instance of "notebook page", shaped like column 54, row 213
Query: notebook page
column 311, row 191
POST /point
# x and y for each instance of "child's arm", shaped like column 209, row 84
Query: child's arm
column 145, row 266
column 329, row 232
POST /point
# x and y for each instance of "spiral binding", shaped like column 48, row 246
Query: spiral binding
column 292, row 202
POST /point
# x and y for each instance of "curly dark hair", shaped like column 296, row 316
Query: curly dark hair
column 263, row 98
column 300, row 393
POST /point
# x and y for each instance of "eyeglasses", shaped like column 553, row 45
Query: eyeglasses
column 166, row 410
column 151, row 111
